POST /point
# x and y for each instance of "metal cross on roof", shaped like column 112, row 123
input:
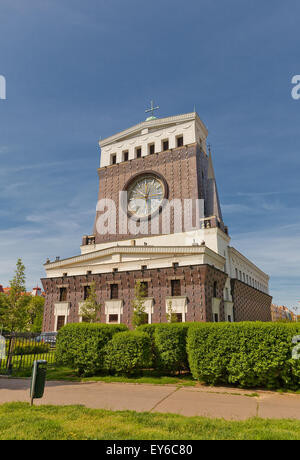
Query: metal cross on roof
column 152, row 108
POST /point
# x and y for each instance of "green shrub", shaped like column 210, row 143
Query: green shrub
column 80, row 346
column 170, row 346
column 250, row 354
column 33, row 349
column 128, row 352
column 149, row 329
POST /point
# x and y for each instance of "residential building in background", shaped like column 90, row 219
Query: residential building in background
column 280, row 313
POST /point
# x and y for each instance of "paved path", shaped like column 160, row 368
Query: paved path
column 230, row 404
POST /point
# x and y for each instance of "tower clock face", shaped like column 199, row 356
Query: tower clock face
column 145, row 195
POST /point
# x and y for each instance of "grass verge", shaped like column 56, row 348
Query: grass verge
column 76, row 422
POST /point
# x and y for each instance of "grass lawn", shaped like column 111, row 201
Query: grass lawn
column 76, row 422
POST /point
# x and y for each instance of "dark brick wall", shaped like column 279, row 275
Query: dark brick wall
column 182, row 169
column 249, row 303
column 196, row 283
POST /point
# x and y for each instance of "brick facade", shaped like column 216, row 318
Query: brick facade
column 250, row 304
column 197, row 283
column 184, row 170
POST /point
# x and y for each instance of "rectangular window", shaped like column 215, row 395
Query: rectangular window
column 60, row 322
column 113, row 159
column 113, row 318
column 216, row 318
column 179, row 317
column 114, row 291
column 144, row 286
column 176, row 288
column 151, row 149
column 229, row 318
column 138, row 152
column 165, row 145
column 62, row 294
column 180, row 141
column 145, row 318
column 125, row 155
column 86, row 292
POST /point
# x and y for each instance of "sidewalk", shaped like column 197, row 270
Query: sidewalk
column 227, row 403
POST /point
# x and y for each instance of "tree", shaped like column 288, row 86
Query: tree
column 13, row 306
column 138, row 304
column 90, row 309
column 171, row 316
column 35, row 310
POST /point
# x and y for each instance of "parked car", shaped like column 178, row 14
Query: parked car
column 47, row 337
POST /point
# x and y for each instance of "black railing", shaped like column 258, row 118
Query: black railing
column 18, row 351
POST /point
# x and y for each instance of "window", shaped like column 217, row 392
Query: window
column 125, row 155
column 236, row 273
column 86, row 292
column 216, row 318
column 151, row 149
column 144, row 288
column 113, row 318
column 138, row 152
column 165, row 145
column 215, row 289
column 179, row 317
column 145, row 318
column 113, row 159
column 114, row 291
column 62, row 294
column 175, row 265
column 180, row 141
column 176, row 288
column 60, row 322
column 144, row 267
column 229, row 318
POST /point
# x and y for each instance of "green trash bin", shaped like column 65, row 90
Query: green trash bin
column 38, row 380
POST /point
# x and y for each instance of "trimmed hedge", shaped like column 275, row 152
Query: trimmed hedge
column 128, row 352
column 149, row 329
column 249, row 354
column 168, row 345
column 80, row 345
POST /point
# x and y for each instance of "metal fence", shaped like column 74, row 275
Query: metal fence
column 18, row 351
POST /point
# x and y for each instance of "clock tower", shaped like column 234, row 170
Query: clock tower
column 159, row 221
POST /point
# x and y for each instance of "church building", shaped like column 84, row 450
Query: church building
column 158, row 221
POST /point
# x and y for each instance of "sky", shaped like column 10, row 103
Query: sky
column 78, row 71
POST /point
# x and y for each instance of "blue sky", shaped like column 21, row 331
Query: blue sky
column 79, row 70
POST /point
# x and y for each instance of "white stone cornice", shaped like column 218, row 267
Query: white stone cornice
column 136, row 250
column 236, row 253
column 158, row 123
